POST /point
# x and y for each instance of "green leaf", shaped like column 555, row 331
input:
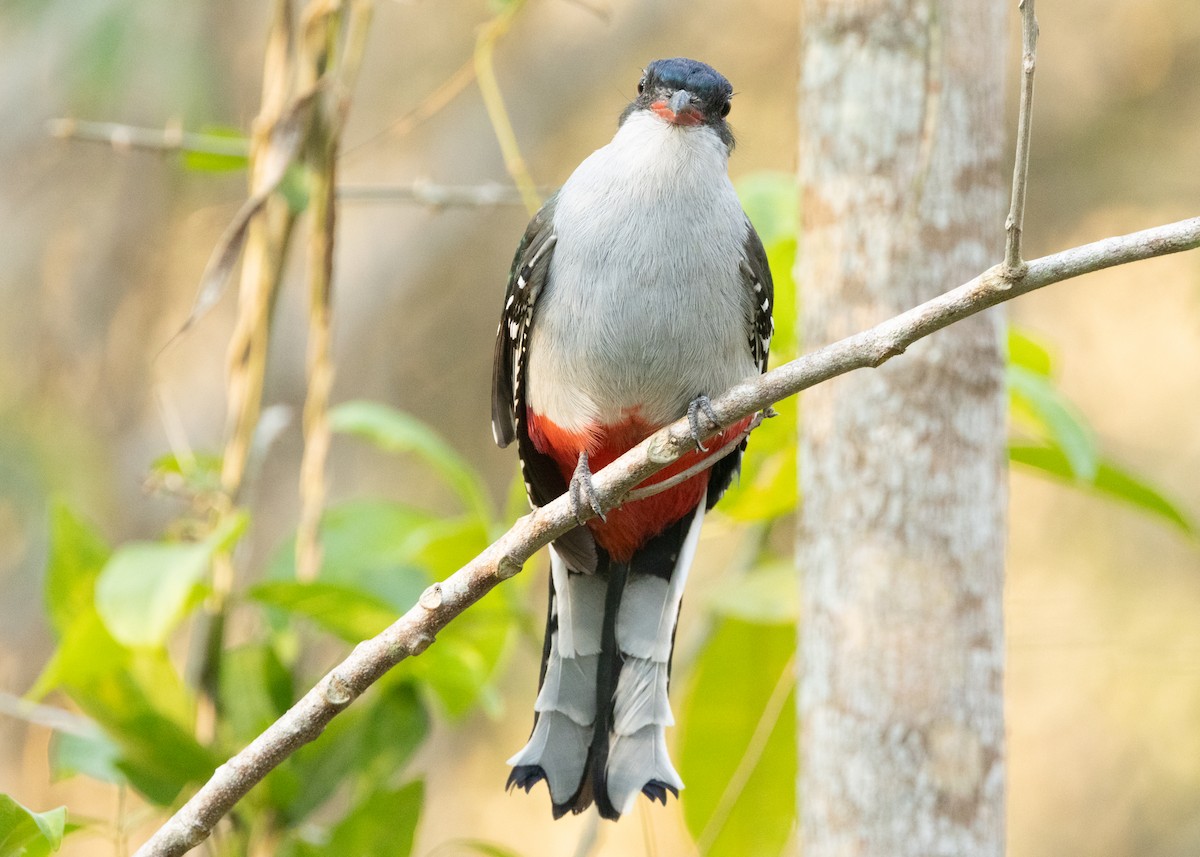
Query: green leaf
column 361, row 750
column 379, row 558
column 294, row 188
column 458, row 668
column 392, row 731
column 139, row 700
column 395, row 431
column 25, row 833
column 1038, row 401
column 226, row 149
column 478, row 846
column 385, row 822
column 767, row 487
column 1110, row 480
column 516, row 501
column 369, row 545
column 1028, row 353
column 769, row 594
column 148, row 587
column 135, row 695
column 77, row 554
column 769, row 199
column 255, row 689
column 350, row 613
column 95, row 756
column 205, row 466
column 738, row 741
column 443, row 546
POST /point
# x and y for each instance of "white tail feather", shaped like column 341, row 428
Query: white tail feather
column 569, row 686
column 650, row 605
column 579, row 601
column 559, row 746
column 633, row 761
column 642, row 606
column 641, row 698
column 562, row 601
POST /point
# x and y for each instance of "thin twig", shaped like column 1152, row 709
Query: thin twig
column 172, row 138
column 1014, row 265
column 699, row 467
column 322, row 23
column 412, row 633
column 493, row 100
column 425, row 192
column 603, row 13
column 324, row 26
column 435, row 101
column 430, row 105
column 58, row 719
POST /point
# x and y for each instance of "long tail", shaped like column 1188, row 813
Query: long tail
column 602, row 711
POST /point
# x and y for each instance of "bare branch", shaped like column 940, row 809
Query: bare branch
column 1015, row 222
column 172, row 138
column 425, row 192
column 58, row 719
column 415, row 630
column 699, row 467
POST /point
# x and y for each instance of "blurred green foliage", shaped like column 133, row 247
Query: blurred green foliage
column 25, row 833
column 116, row 613
column 1053, row 438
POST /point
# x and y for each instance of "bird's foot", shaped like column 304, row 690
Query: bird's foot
column 698, row 404
column 581, row 491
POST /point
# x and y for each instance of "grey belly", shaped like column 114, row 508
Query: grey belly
column 609, row 352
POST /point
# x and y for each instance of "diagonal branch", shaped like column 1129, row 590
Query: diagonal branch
column 412, row 633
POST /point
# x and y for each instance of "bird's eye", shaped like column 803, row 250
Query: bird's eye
column 725, row 109
column 641, row 86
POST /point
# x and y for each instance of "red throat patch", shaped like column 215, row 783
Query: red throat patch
column 632, row 525
column 687, row 116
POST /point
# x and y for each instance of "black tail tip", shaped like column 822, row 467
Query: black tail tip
column 657, row 790
column 525, row 777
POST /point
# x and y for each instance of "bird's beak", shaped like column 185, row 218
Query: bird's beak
column 678, row 109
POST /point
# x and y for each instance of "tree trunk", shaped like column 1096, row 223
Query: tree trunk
column 903, row 469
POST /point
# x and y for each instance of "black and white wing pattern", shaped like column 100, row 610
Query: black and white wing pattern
column 525, row 283
column 756, row 279
column 756, row 276
column 526, row 280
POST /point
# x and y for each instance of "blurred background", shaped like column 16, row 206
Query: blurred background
column 103, row 249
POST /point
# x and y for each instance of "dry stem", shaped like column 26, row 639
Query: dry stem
column 1015, row 222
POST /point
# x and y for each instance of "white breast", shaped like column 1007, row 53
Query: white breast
column 644, row 307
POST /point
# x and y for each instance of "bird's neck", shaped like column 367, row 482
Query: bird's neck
column 648, row 141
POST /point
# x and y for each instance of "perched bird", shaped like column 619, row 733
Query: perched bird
column 638, row 290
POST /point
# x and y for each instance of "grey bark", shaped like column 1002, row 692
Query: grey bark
column 903, row 471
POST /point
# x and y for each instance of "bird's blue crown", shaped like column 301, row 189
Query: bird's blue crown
column 694, row 76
